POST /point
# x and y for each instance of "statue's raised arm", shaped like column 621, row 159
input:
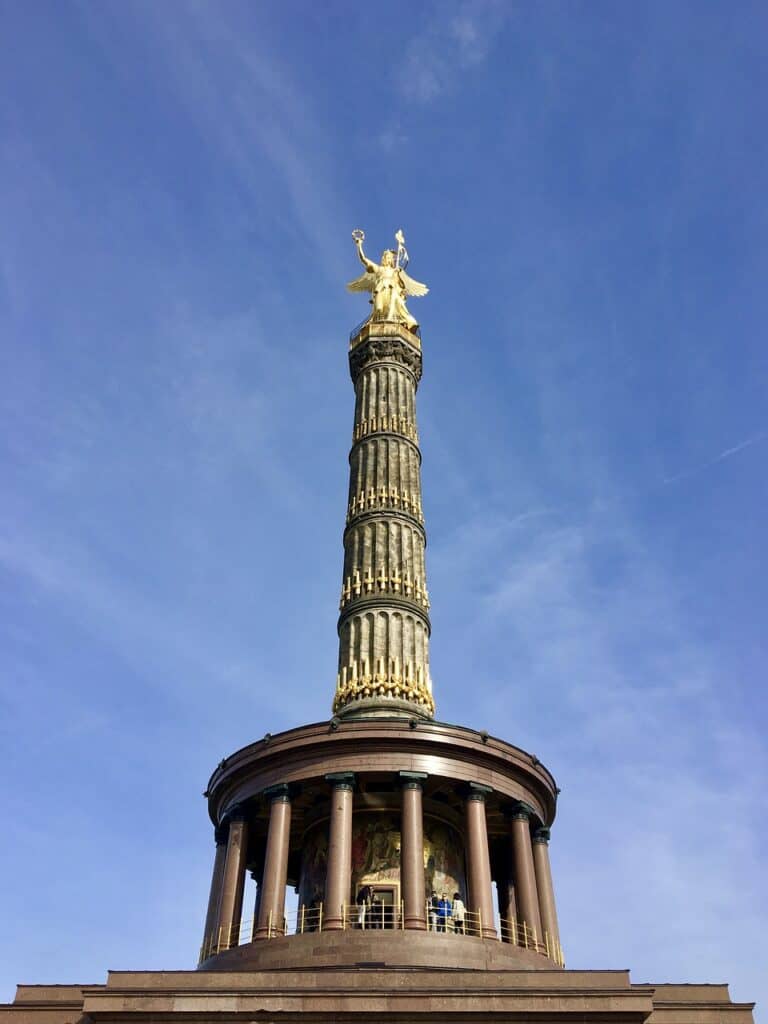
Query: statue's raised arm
column 387, row 282
column 359, row 236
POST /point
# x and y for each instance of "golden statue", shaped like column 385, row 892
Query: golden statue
column 387, row 282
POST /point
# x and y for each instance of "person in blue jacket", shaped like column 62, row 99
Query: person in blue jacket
column 443, row 913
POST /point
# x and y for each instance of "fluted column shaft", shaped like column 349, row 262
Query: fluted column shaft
column 544, row 886
column 210, row 931
column 524, row 873
column 384, row 623
column 272, row 902
column 233, row 883
column 338, row 879
column 478, row 860
column 412, row 879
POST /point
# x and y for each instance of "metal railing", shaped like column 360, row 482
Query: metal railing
column 382, row 917
column 356, row 330
column 510, row 930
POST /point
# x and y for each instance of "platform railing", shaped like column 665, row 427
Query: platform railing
column 510, row 930
column 382, row 917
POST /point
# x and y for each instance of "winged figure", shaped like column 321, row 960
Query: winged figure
column 388, row 284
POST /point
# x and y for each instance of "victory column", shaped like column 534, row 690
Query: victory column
column 384, row 624
column 381, row 799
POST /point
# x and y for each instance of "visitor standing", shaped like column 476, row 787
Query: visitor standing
column 443, row 913
column 433, row 906
column 363, row 903
column 459, row 913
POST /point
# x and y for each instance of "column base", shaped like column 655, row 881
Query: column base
column 415, row 924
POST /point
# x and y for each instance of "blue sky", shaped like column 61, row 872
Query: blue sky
column 583, row 188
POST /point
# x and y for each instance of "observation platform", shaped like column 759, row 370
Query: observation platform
column 397, row 807
column 384, row 947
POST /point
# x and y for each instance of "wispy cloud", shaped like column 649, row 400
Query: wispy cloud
column 214, row 422
column 458, row 37
column 392, row 137
column 584, row 638
column 154, row 636
column 245, row 102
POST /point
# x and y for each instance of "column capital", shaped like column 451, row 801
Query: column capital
column 412, row 780
column 477, row 791
column 541, row 835
column 520, row 811
column 238, row 812
column 341, row 780
column 280, row 794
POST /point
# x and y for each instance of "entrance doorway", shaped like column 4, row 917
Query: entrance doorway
column 385, row 906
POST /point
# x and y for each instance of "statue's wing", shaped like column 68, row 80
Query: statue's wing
column 413, row 287
column 364, row 283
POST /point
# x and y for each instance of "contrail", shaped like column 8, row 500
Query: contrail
column 739, row 447
column 718, row 458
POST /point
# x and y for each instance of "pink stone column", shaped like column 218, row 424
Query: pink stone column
column 256, row 875
column 338, row 878
column 524, row 873
column 412, row 880
column 233, row 883
column 505, row 886
column 546, row 890
column 210, row 932
column 480, row 897
column 272, row 901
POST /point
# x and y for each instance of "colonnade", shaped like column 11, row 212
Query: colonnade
column 524, row 884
